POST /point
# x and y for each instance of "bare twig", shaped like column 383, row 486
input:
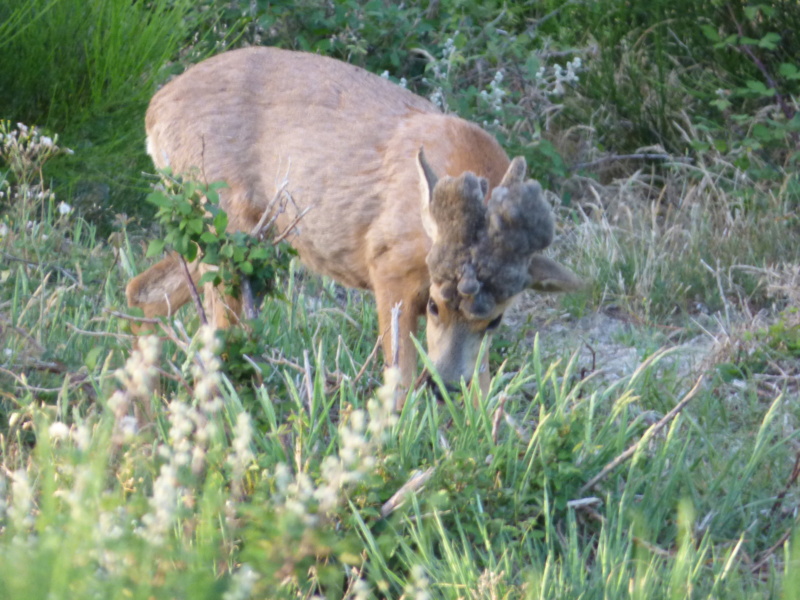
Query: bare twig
column 417, row 481
column 641, row 156
column 119, row 315
column 290, row 227
column 792, row 480
column 61, row 270
column 370, row 358
column 307, row 379
column 262, row 222
column 248, row 302
column 396, row 310
column 193, row 291
column 651, row 431
column 498, row 416
column 99, row 333
column 765, row 556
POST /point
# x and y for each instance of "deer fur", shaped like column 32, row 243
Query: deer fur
column 452, row 231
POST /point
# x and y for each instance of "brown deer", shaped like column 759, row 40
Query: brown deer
column 458, row 247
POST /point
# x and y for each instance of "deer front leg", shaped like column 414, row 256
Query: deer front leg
column 412, row 305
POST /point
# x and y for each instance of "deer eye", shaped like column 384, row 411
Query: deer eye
column 494, row 324
column 432, row 308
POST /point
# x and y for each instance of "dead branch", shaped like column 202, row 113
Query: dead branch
column 193, row 291
column 498, row 416
column 417, row 481
column 651, row 431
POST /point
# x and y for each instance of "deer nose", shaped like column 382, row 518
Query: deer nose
column 437, row 391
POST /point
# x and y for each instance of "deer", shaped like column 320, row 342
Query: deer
column 422, row 208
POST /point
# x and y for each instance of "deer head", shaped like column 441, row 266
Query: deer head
column 483, row 255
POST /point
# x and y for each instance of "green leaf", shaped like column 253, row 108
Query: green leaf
column 195, row 226
column 91, row 357
column 789, row 71
column 710, row 32
column 191, row 251
column 155, row 248
column 759, row 88
column 221, row 222
column 210, row 277
column 159, row 199
column 769, row 41
column 762, row 132
column 259, row 253
column 246, row 267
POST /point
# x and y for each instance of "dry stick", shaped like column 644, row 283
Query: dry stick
column 396, row 310
column 193, row 291
column 119, row 315
column 307, row 378
column 291, row 225
column 654, row 429
column 792, row 480
column 765, row 556
column 370, row 358
column 61, row 270
column 100, row 333
column 642, row 156
column 498, row 415
column 412, row 485
column 248, row 301
column 275, row 199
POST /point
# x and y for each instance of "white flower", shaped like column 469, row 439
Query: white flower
column 58, row 431
column 64, row 208
column 3, row 227
column 46, row 141
column 242, row 583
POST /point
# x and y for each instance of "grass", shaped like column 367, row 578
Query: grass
column 265, row 465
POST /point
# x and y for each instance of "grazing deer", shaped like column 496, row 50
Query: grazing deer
column 452, row 232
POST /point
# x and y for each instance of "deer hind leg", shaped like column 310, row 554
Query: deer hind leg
column 161, row 290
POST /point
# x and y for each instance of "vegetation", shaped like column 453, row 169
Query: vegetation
column 266, row 462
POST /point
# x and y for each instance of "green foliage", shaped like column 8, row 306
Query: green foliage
column 259, row 464
column 196, row 225
column 87, row 68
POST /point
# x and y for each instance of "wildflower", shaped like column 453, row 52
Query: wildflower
column 81, row 437
column 164, row 506
column 64, row 208
column 21, row 500
column 495, row 94
column 242, row 583
column 241, row 455
column 58, row 431
column 361, row 590
column 418, row 587
column 46, row 141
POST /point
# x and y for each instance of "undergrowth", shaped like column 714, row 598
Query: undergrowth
column 268, row 463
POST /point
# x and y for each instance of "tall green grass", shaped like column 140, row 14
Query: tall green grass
column 86, row 69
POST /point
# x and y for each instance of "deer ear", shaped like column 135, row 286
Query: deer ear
column 515, row 172
column 549, row 276
column 427, row 181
